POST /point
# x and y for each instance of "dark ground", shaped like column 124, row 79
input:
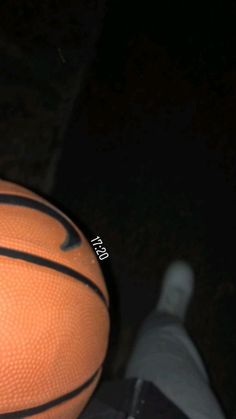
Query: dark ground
column 148, row 160
column 148, row 165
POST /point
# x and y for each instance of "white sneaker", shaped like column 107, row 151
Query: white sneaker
column 177, row 289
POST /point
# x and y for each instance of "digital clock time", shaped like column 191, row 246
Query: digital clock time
column 100, row 250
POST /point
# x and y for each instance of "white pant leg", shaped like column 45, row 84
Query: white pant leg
column 165, row 355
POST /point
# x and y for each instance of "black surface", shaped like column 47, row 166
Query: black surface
column 149, row 165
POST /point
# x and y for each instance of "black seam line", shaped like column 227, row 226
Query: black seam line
column 37, row 260
column 73, row 238
column 38, row 409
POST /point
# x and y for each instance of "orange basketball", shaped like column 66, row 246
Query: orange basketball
column 54, row 320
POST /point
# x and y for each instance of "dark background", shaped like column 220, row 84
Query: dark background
column 147, row 158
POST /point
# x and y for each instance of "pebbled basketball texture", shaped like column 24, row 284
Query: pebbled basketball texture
column 54, row 318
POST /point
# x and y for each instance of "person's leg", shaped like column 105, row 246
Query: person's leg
column 165, row 355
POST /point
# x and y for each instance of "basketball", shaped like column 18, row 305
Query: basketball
column 54, row 310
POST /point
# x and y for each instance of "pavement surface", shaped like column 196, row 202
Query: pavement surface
column 148, row 165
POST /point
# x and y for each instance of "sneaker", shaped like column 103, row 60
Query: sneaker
column 177, row 290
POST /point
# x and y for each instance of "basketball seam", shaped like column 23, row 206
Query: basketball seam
column 52, row 403
column 73, row 238
column 38, row 260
